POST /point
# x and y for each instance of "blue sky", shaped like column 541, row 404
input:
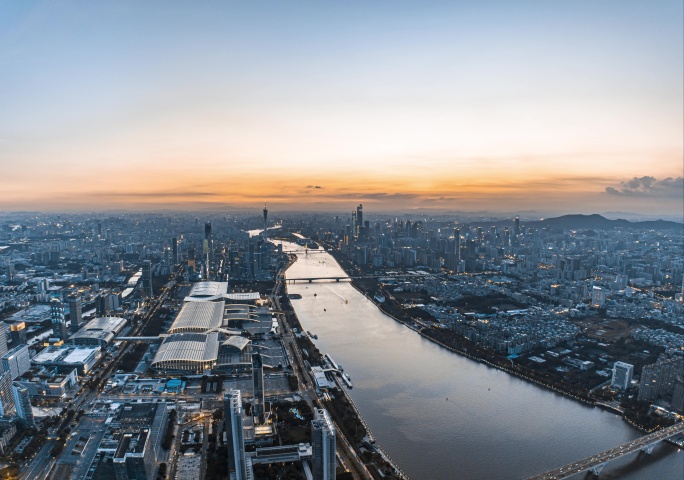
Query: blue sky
column 412, row 104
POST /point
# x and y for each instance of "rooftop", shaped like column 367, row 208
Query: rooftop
column 192, row 347
column 209, row 289
column 111, row 324
column 236, row 341
column 198, row 316
column 65, row 354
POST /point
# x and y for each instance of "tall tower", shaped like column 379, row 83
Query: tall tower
column 207, row 250
column 3, row 339
column 75, row 311
column 359, row 220
column 354, row 225
column 457, row 244
column 516, row 230
column 147, row 278
column 6, row 396
column 22, row 402
column 258, row 383
column 207, row 237
column 323, row 440
column 174, row 251
column 57, row 317
column 232, row 415
column 265, row 235
column 678, row 395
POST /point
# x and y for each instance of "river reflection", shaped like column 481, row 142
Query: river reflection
column 442, row 416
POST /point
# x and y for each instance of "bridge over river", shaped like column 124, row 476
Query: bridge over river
column 595, row 463
column 354, row 277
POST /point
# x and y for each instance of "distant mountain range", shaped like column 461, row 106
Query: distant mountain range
column 598, row 222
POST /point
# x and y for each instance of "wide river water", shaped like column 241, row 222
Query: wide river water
column 442, row 416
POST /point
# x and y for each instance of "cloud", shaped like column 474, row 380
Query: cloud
column 180, row 194
column 649, row 187
column 314, row 187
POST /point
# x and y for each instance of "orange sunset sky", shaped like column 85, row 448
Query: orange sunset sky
column 567, row 106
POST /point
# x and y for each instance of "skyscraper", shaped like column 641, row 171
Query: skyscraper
column 678, row 395
column 22, row 403
column 6, row 395
column 174, row 251
column 598, row 296
column 3, row 339
column 75, row 311
column 323, row 448
column 147, row 278
column 232, row 416
column 622, row 375
column 207, row 238
column 258, row 383
column 207, row 251
column 17, row 361
column 457, row 244
column 354, row 225
column 359, row 220
column 58, row 319
column 516, row 230
column 658, row 379
column 265, row 234
column 17, row 334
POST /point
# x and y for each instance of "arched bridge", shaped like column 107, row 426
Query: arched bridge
column 595, row 463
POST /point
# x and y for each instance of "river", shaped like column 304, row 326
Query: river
column 442, row 416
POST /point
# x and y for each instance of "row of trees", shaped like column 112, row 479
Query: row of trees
column 168, row 433
column 130, row 359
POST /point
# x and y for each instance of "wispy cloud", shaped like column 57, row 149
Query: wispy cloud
column 161, row 195
column 648, row 186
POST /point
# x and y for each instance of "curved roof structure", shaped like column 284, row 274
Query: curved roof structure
column 209, row 289
column 99, row 331
column 189, row 352
column 198, row 317
column 241, row 297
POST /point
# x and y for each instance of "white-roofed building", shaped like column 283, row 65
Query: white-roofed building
column 320, row 378
column 187, row 352
column 243, row 297
column 81, row 358
column 206, row 290
column 99, row 331
column 212, row 291
column 198, row 317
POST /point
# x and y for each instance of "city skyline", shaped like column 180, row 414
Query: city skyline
column 569, row 107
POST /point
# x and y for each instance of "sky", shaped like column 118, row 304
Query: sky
column 553, row 106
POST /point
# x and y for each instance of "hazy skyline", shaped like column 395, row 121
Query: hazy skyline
column 553, row 106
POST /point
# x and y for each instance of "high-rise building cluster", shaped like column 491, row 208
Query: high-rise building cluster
column 658, row 380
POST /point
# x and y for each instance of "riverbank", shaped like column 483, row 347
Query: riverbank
column 352, row 427
column 473, row 351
